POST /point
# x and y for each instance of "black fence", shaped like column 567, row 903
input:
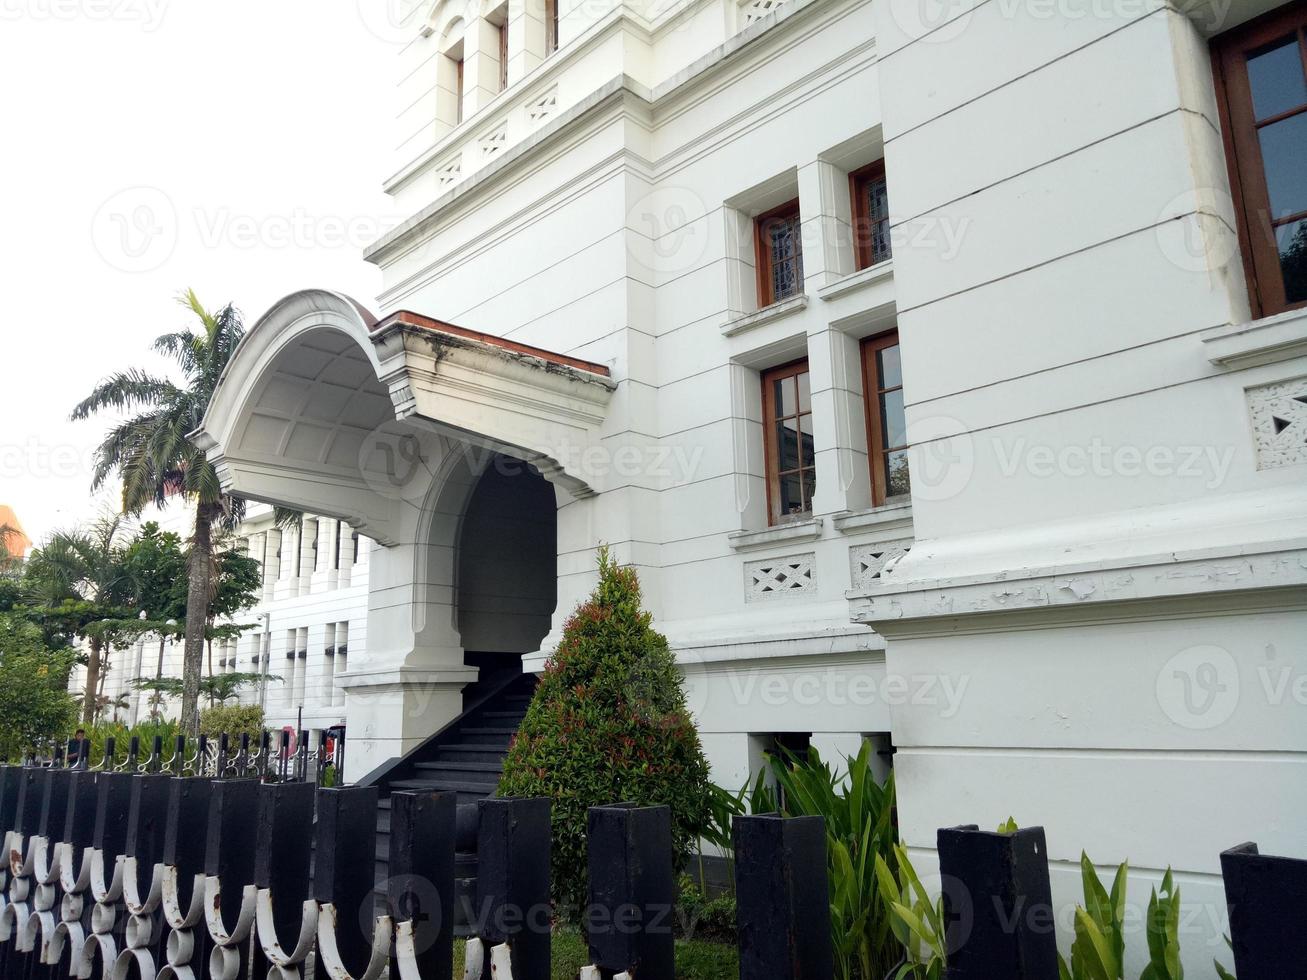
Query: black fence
column 145, row 876
column 273, row 757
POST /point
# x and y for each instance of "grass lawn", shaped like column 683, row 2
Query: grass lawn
column 695, row 960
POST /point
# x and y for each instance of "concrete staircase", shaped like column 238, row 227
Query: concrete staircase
column 465, row 757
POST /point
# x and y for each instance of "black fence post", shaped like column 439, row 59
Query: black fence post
column 183, row 858
column 344, row 876
column 74, row 871
column 628, row 922
column 49, row 832
column 513, row 883
column 420, row 888
column 146, row 831
column 782, row 898
column 1267, row 901
column 999, row 904
column 113, row 794
column 281, row 870
column 229, row 855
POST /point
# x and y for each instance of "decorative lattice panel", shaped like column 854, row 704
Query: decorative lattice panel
column 543, row 108
column 868, row 561
column 450, row 173
column 777, row 577
column 1279, row 417
column 495, row 140
column 755, row 10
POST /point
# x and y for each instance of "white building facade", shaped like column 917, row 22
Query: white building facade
column 935, row 372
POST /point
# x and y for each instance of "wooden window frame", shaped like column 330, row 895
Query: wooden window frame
column 458, row 89
column 551, row 27
column 871, row 392
column 864, row 250
column 771, row 463
column 503, row 54
column 1261, row 258
column 762, row 252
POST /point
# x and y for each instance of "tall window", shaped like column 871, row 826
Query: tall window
column 887, row 427
column 503, row 55
column 870, row 214
column 551, row 27
column 458, row 89
column 790, row 458
column 779, row 245
column 1261, row 73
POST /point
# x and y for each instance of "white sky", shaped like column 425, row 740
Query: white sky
column 234, row 146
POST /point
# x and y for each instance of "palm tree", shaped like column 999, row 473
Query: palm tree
column 84, row 564
column 150, row 453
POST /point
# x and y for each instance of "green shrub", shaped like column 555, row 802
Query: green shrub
column 700, row 917
column 35, row 705
column 608, row 724
column 99, row 733
column 859, row 832
column 234, row 719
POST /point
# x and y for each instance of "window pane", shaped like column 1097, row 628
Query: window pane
column 1276, row 77
column 893, row 423
column 784, row 395
column 791, row 492
column 1284, row 153
column 896, row 473
column 1292, row 241
column 878, row 213
column 805, row 393
column 805, row 441
column 787, row 442
column 889, row 368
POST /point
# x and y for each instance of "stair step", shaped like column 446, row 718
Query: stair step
column 497, row 715
column 446, row 786
column 488, row 766
column 470, row 753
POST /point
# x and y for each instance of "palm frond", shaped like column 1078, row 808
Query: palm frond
column 124, row 391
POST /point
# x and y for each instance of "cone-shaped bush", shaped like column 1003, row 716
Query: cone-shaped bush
column 608, row 724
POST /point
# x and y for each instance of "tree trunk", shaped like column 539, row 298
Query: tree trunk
column 208, row 643
column 197, row 614
column 92, row 683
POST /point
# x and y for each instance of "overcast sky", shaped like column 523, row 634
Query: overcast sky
column 233, row 146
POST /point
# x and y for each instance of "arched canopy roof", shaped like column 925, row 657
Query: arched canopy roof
column 326, row 409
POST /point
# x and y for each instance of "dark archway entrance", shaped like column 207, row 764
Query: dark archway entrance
column 507, row 567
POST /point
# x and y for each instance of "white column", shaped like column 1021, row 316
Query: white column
column 287, row 584
column 526, row 38
column 826, row 210
column 308, row 553
column 271, row 563
column 324, row 571
column 480, row 65
column 342, row 662
column 345, row 565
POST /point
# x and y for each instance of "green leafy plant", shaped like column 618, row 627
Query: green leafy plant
column 1164, row 933
column 1098, row 952
column 1221, row 971
column 858, row 813
column 1008, row 826
column 701, row 917
column 235, row 720
column 918, row 923
column 608, row 723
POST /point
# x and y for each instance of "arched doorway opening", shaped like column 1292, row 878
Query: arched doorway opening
column 507, row 568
